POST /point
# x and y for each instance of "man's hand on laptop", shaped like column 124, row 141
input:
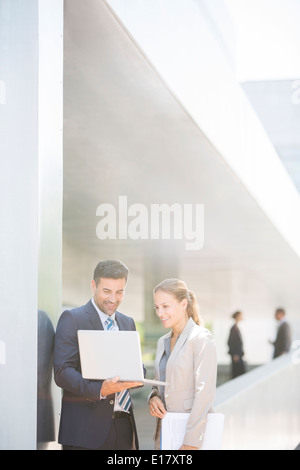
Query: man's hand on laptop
column 111, row 386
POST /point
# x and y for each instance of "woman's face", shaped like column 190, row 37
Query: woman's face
column 172, row 314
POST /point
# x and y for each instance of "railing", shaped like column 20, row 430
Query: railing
column 262, row 408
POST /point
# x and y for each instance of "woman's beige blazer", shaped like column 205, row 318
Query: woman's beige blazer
column 191, row 376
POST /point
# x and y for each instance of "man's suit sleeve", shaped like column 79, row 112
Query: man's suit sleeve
column 284, row 338
column 67, row 373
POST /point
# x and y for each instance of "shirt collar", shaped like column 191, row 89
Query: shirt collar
column 102, row 315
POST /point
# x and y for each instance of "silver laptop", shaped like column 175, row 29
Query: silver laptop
column 107, row 354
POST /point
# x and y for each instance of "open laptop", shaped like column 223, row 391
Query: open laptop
column 107, row 354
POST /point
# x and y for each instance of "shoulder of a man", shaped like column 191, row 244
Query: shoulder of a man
column 74, row 314
column 125, row 319
column 284, row 328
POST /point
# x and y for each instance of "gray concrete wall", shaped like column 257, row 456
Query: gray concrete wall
column 50, row 213
column 25, row 196
column 19, row 234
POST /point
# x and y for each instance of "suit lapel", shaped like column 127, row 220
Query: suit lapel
column 93, row 316
column 177, row 348
column 160, row 351
column 122, row 322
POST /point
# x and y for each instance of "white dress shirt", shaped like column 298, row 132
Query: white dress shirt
column 103, row 318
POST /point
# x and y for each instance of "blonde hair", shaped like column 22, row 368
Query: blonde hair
column 180, row 291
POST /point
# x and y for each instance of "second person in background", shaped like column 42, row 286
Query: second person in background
column 236, row 347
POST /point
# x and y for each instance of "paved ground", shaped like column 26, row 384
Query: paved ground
column 144, row 421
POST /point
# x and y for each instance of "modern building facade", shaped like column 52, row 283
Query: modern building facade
column 126, row 134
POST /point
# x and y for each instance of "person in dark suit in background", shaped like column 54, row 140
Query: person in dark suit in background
column 282, row 344
column 236, row 348
column 93, row 416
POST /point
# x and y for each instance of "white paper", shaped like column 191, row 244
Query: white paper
column 174, row 427
column 173, row 430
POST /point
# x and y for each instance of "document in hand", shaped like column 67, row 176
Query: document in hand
column 174, row 426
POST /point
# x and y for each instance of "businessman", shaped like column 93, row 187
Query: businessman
column 236, row 347
column 95, row 415
column 283, row 340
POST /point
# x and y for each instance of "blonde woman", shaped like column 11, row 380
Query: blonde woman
column 186, row 359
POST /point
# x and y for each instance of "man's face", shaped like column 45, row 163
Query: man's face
column 109, row 294
column 279, row 316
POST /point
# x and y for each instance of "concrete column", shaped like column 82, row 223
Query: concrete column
column 50, row 183
column 24, row 122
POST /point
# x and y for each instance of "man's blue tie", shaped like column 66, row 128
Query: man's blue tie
column 123, row 397
column 109, row 324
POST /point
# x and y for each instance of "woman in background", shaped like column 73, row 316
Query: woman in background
column 186, row 360
column 236, row 348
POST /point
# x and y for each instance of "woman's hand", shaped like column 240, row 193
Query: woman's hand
column 156, row 407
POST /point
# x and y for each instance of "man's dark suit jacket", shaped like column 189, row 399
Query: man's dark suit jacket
column 85, row 419
column 282, row 343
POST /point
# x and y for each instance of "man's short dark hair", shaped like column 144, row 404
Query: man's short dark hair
column 110, row 269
